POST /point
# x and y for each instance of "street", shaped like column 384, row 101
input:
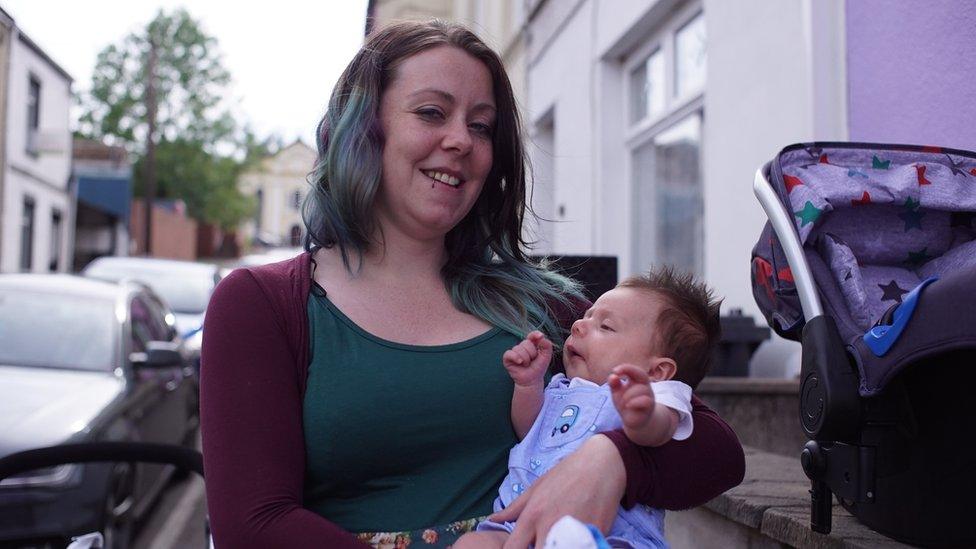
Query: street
column 178, row 519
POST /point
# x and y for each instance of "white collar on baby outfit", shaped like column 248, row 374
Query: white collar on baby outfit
column 560, row 380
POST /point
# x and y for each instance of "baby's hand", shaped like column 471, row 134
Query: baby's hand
column 634, row 399
column 528, row 361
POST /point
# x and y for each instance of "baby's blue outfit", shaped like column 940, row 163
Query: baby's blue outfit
column 572, row 411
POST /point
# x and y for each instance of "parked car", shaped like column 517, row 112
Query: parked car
column 184, row 285
column 85, row 361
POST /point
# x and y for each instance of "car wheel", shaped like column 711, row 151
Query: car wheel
column 118, row 526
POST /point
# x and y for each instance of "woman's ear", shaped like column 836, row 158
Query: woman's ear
column 662, row 368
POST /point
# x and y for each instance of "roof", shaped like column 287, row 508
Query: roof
column 42, row 54
column 150, row 263
column 62, row 284
column 90, row 149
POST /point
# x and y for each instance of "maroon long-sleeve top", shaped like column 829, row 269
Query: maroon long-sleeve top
column 254, row 368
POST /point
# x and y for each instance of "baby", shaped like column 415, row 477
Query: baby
column 631, row 362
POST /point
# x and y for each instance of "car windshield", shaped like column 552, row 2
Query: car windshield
column 186, row 291
column 57, row 331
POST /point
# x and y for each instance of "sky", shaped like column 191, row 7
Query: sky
column 284, row 56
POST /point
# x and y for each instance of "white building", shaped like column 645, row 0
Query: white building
column 36, row 203
column 279, row 185
column 650, row 117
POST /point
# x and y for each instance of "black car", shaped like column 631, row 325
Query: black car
column 84, row 360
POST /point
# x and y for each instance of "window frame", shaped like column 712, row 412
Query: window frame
column 33, row 114
column 57, row 239
column 664, row 40
column 676, row 109
column 28, row 223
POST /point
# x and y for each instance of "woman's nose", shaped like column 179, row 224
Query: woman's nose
column 457, row 137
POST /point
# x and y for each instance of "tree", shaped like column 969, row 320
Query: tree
column 198, row 148
column 190, row 83
column 206, row 181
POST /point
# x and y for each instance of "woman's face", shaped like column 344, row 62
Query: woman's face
column 437, row 115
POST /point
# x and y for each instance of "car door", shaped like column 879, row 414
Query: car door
column 159, row 408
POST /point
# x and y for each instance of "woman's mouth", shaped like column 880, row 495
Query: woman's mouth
column 441, row 177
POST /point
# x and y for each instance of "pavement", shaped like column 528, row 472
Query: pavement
column 178, row 519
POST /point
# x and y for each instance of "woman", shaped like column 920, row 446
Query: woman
column 359, row 387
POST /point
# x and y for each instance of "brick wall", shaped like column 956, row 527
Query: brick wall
column 174, row 235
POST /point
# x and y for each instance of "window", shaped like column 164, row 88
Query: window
column 666, row 99
column 56, row 240
column 27, row 235
column 33, row 114
column 647, row 88
column 689, row 57
column 667, row 179
column 146, row 325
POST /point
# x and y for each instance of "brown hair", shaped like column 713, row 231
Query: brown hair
column 687, row 328
column 350, row 144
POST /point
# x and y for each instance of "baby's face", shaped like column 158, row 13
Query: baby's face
column 616, row 330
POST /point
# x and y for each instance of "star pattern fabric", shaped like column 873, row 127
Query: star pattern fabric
column 955, row 166
column 920, row 211
column 865, row 200
column 912, row 219
column 920, row 170
column 808, row 214
column 917, row 259
column 892, row 292
column 791, row 182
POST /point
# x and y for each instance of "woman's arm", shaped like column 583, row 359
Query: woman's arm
column 251, row 423
column 609, row 470
column 686, row 473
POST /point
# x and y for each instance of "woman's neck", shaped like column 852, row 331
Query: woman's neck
column 397, row 257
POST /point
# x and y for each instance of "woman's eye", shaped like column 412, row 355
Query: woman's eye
column 605, row 327
column 483, row 129
column 430, row 113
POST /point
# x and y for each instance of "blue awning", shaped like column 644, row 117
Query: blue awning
column 108, row 194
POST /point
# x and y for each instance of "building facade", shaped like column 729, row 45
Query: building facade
column 658, row 113
column 278, row 185
column 37, row 212
column 102, row 179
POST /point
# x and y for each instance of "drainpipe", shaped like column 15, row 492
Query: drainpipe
column 6, row 31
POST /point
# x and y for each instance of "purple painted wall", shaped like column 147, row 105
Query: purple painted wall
column 911, row 72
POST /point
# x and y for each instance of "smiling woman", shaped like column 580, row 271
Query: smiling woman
column 358, row 388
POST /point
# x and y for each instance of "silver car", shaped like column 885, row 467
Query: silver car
column 84, row 360
column 184, row 285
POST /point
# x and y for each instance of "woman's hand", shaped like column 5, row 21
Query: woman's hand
column 587, row 485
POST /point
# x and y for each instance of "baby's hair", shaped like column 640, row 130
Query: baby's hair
column 687, row 328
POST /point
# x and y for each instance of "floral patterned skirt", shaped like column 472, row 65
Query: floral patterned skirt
column 436, row 537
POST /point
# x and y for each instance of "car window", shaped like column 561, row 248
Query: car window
column 48, row 329
column 146, row 324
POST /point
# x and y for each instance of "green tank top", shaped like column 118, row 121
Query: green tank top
column 402, row 437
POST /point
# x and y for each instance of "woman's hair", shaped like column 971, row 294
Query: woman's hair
column 487, row 272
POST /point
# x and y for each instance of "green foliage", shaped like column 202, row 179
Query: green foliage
column 200, row 150
column 190, row 86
